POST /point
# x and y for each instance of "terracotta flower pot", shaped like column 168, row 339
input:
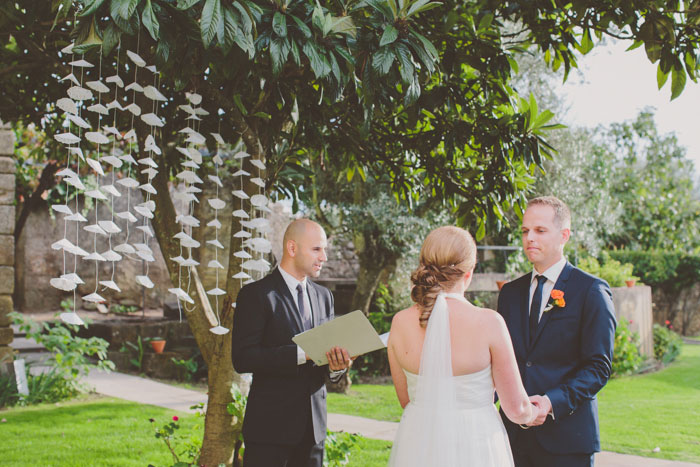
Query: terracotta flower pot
column 158, row 345
column 630, row 282
column 500, row 284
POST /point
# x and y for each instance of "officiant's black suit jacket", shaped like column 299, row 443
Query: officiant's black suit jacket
column 569, row 359
column 284, row 396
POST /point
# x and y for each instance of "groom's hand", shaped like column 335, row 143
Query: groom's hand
column 545, row 407
column 338, row 359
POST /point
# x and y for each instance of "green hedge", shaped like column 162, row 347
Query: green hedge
column 670, row 271
column 667, row 344
column 626, row 355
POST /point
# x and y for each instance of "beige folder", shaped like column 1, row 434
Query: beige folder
column 352, row 331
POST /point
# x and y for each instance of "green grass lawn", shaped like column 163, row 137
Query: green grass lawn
column 637, row 413
column 90, row 431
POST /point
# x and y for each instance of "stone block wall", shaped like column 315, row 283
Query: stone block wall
column 7, row 239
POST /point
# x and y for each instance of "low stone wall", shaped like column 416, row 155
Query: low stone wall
column 7, row 240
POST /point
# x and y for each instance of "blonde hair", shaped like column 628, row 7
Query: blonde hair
column 562, row 215
column 447, row 254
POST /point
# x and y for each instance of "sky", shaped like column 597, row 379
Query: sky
column 615, row 85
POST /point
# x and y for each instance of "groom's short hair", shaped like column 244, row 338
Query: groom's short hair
column 562, row 215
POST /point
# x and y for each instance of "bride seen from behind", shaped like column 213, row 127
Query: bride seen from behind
column 446, row 357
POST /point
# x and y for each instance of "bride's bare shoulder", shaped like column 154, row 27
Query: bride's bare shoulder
column 405, row 316
column 489, row 317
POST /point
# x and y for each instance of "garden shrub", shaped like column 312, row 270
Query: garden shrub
column 667, row 344
column 8, row 391
column 612, row 271
column 338, row 446
column 626, row 355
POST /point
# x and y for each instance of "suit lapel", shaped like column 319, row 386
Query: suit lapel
column 523, row 317
column 291, row 308
column 559, row 285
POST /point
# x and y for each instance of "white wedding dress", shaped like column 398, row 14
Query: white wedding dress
column 450, row 420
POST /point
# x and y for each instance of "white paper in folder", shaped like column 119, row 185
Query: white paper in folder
column 352, row 331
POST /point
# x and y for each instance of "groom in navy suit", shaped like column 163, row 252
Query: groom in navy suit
column 562, row 324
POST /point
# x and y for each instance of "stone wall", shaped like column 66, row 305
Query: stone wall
column 7, row 239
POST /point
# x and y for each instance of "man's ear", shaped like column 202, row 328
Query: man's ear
column 291, row 247
column 565, row 235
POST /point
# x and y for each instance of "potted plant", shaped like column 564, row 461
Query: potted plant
column 500, row 284
column 630, row 282
column 158, row 344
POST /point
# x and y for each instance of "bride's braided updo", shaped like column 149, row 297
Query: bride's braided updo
column 447, row 254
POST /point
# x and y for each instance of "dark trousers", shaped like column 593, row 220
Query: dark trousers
column 527, row 452
column 307, row 453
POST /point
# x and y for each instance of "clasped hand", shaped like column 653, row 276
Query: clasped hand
column 542, row 407
column 338, row 359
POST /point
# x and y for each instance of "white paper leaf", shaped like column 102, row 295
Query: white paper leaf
column 146, row 256
column 215, row 243
column 187, row 220
column 144, row 212
column 67, row 105
column 97, row 194
column 134, row 109
column 97, row 86
column 217, row 159
column 259, row 244
column 144, row 281
column 67, row 172
column 258, row 181
column 111, row 255
column 240, row 194
column 150, row 145
column 150, row 205
column 95, row 228
column 114, row 161
column 219, row 330
column 74, row 181
column 193, row 97
column 67, row 138
column 256, row 223
column 62, row 244
column 189, row 242
column 152, row 120
column 62, row 208
column 98, row 108
column 76, row 217
column 216, row 203
column 142, row 247
column 78, row 93
column 112, row 131
column 258, row 200
column 241, row 173
column 216, row 291
column 217, row 137
column 125, row 248
column 153, row 94
column 241, row 155
column 181, row 294
column 178, row 259
column 196, row 138
column 149, row 162
column 110, row 285
column 186, row 197
column 109, row 227
column 78, row 151
column 190, row 262
column 258, row 163
column 62, row 284
column 241, row 275
column 96, row 166
column 72, row 318
column 115, row 79
column 96, row 137
column 145, row 229
column 256, row 265
column 242, row 254
column 240, row 213
column 200, row 111
column 68, row 49
column 215, row 264
column 114, row 105
column 189, row 177
column 126, row 215
column 111, row 190
column 152, row 68
column 186, row 130
column 94, row 256
column 148, row 188
column 242, row 234
column 190, row 165
column 131, row 134
column 73, row 277
column 94, row 298
column 150, row 172
column 81, row 63
column 78, row 121
column 134, row 86
column 215, row 179
column 136, row 58
column 72, row 79
column 214, row 223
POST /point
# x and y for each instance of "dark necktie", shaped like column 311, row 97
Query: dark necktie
column 305, row 315
column 535, row 307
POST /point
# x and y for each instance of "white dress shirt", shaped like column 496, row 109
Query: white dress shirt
column 552, row 274
column 292, row 283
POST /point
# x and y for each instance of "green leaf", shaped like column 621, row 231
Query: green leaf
column 124, row 8
column 306, row 32
column 414, row 10
column 429, row 47
column 91, row 7
column 239, row 103
column 661, row 77
column 150, row 21
column 542, row 118
column 413, row 92
column 319, row 64
column 586, row 42
column 678, row 79
column 635, row 45
column 383, row 59
column 485, row 22
column 294, row 48
column 481, row 231
column 390, row 34
column 279, row 24
column 210, row 22
column 110, row 38
column 186, row 4
column 407, row 69
column 279, row 50
column 263, row 115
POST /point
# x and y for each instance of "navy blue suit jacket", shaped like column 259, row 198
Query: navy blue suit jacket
column 284, row 396
column 569, row 359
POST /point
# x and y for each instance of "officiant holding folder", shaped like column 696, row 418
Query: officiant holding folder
column 285, row 419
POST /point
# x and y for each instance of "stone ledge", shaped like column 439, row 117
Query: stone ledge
column 7, row 143
column 7, row 188
column 7, row 250
column 7, row 280
column 6, row 335
column 7, row 165
column 7, row 220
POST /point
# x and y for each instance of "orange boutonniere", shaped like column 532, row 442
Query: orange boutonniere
column 557, row 300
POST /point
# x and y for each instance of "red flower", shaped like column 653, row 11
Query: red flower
column 667, row 322
column 175, row 418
